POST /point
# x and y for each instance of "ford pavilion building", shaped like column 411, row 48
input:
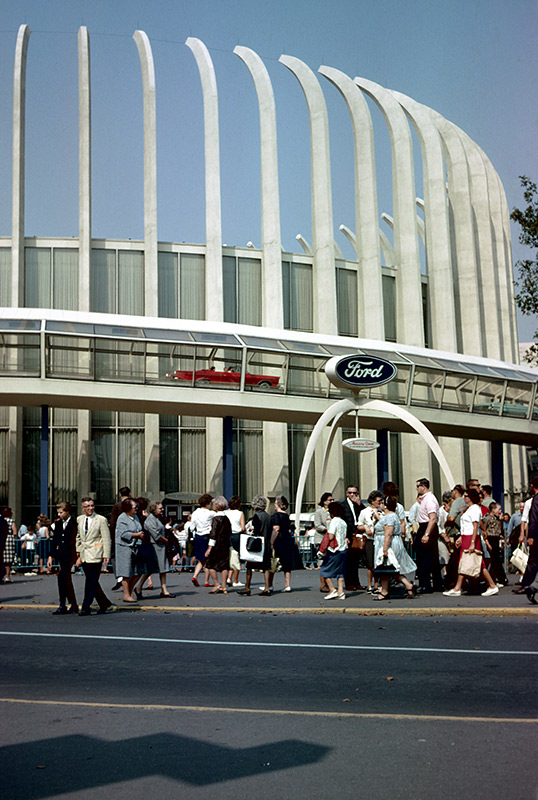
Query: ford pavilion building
column 179, row 368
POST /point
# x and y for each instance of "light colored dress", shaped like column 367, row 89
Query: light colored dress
column 401, row 560
column 125, row 561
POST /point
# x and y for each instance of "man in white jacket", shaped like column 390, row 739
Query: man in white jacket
column 93, row 550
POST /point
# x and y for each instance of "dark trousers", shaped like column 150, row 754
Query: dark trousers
column 66, row 592
column 353, row 562
column 92, row 588
column 496, row 566
column 427, row 558
column 532, row 566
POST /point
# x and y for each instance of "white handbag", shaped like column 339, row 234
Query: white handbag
column 519, row 559
column 251, row 547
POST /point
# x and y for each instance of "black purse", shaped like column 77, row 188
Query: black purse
column 385, row 568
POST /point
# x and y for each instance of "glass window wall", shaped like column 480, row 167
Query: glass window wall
column 5, row 276
column 347, row 302
column 298, row 296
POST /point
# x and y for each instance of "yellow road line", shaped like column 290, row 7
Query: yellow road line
column 270, row 711
column 364, row 612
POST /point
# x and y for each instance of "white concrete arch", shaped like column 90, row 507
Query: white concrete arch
column 440, row 277
column 464, row 251
column 18, row 167
column 305, row 244
column 150, row 173
column 214, row 287
column 484, row 250
column 342, row 407
column 84, row 170
column 324, row 274
column 507, row 240
column 420, row 225
column 406, row 251
column 497, row 203
column 271, row 238
column 386, row 247
column 369, row 285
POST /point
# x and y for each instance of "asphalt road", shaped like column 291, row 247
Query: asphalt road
column 258, row 705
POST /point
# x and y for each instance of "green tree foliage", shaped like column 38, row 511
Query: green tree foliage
column 527, row 283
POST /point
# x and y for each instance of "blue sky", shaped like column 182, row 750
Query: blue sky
column 474, row 62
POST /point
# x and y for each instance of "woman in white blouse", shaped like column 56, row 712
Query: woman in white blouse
column 470, row 541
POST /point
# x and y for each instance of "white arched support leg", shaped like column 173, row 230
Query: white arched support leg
column 343, row 406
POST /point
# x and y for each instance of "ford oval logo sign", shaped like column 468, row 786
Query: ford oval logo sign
column 359, row 371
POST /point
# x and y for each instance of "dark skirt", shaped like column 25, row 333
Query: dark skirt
column 334, row 565
column 200, row 547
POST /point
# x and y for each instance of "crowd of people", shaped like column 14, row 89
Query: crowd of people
column 449, row 547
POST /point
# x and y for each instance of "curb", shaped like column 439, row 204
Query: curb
column 360, row 612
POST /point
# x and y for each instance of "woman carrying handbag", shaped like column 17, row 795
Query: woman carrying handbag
column 470, row 551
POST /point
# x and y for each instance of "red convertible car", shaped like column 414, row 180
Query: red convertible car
column 203, row 377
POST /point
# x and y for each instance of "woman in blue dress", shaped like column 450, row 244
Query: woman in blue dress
column 389, row 550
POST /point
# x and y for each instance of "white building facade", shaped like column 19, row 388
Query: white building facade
column 92, row 329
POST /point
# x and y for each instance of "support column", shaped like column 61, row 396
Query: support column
column 44, row 462
column 440, row 277
column 324, row 275
column 406, row 250
column 151, row 455
column 150, row 175
column 276, row 471
column 370, row 290
column 17, row 190
column 84, row 170
column 272, row 311
column 382, row 457
column 84, row 454
column 213, row 456
column 227, row 457
column 213, row 230
column 15, row 461
column 497, row 471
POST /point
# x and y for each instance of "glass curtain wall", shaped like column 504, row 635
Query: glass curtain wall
column 192, row 455
column 63, row 459
column 117, row 455
column 247, row 458
column 168, row 285
column 65, row 278
column 242, row 279
column 297, row 295
column 182, row 443
column 51, row 278
column 117, row 281
column 192, row 286
column 347, row 302
column 5, row 276
column 181, row 282
column 298, row 436
column 388, row 283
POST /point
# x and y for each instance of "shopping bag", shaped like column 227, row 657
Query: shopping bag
column 470, row 564
column 251, row 548
column 519, row 559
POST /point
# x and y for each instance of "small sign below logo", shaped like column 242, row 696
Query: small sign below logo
column 359, row 371
column 360, row 445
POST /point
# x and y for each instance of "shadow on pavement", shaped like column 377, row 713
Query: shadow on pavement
column 54, row 766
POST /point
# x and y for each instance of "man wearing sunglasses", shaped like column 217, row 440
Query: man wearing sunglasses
column 352, row 508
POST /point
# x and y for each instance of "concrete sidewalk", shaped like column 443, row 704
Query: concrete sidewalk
column 40, row 591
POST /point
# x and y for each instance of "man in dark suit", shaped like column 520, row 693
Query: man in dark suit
column 528, row 581
column 63, row 551
column 352, row 507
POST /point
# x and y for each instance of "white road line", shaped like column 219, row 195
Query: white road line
column 272, row 644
